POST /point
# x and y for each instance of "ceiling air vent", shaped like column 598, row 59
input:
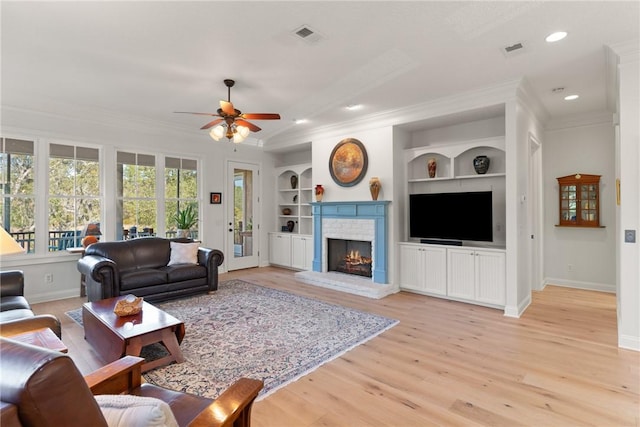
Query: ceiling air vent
column 513, row 49
column 307, row 34
column 304, row 32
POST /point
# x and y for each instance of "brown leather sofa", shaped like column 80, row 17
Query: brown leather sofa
column 139, row 267
column 41, row 387
column 16, row 315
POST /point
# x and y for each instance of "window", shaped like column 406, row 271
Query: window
column 181, row 190
column 74, row 193
column 17, row 183
column 137, row 207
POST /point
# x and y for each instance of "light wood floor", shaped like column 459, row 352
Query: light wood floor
column 453, row 364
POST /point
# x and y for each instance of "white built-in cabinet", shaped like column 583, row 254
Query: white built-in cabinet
column 294, row 191
column 301, row 252
column 423, row 268
column 467, row 274
column 470, row 274
column 291, row 250
column 280, row 249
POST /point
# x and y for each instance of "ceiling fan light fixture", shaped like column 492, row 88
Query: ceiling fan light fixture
column 240, row 134
column 217, row 133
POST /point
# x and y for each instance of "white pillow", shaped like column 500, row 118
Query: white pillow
column 121, row 410
column 184, row 253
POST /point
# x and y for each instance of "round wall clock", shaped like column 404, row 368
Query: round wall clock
column 348, row 162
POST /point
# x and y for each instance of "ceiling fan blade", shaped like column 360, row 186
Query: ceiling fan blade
column 200, row 114
column 251, row 126
column 212, row 123
column 227, row 107
column 261, row 116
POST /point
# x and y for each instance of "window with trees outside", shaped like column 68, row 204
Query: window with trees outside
column 74, row 193
column 181, row 190
column 17, row 181
column 138, row 206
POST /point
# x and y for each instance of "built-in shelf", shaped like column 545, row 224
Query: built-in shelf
column 294, row 197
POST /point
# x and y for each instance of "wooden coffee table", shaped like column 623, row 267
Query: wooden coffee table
column 114, row 337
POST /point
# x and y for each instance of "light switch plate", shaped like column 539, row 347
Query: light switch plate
column 629, row 236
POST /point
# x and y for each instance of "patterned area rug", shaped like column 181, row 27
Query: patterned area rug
column 246, row 330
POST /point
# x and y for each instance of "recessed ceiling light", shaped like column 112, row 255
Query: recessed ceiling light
column 299, row 121
column 571, row 97
column 554, row 37
column 352, row 107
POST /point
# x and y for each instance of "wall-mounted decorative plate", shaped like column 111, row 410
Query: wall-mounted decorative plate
column 348, row 162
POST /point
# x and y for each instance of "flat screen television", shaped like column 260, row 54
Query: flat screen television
column 452, row 216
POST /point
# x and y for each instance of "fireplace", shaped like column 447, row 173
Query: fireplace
column 359, row 222
column 349, row 256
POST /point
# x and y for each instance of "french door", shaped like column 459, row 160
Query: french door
column 242, row 216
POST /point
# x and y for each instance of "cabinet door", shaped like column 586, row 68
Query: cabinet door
column 435, row 270
column 490, row 277
column 461, row 273
column 280, row 249
column 301, row 252
column 411, row 268
column 423, row 269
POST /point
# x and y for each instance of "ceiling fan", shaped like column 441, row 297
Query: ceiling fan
column 232, row 123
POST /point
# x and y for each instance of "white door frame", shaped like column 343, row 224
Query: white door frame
column 232, row 261
column 535, row 215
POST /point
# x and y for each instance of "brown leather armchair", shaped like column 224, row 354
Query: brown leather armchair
column 15, row 312
column 41, row 387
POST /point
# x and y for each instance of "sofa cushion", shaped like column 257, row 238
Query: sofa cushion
column 135, row 411
column 184, row 253
column 14, row 302
column 182, row 272
column 142, row 278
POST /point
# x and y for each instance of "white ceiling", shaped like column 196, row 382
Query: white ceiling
column 144, row 60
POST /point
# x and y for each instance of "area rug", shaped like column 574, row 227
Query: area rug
column 246, row 330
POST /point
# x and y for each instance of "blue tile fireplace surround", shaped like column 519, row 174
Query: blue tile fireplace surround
column 372, row 210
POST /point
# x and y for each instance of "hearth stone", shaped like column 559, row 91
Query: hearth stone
column 347, row 283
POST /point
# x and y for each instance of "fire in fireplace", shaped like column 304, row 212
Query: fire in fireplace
column 349, row 256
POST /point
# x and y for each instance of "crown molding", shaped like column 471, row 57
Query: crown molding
column 628, row 51
column 452, row 104
column 595, row 118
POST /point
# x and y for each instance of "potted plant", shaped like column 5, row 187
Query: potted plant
column 185, row 219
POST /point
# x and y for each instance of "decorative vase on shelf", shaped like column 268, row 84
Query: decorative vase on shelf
column 294, row 181
column 374, row 187
column 319, row 192
column 290, row 226
column 481, row 164
column 431, row 167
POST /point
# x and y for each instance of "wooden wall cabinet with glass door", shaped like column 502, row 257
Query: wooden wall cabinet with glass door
column 579, row 204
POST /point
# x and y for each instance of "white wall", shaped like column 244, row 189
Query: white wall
column 460, row 132
column 576, row 256
column 628, row 278
column 380, row 154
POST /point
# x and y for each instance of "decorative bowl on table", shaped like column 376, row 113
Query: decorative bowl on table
column 128, row 306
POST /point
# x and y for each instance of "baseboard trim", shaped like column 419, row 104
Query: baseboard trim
column 629, row 342
column 516, row 311
column 591, row 286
